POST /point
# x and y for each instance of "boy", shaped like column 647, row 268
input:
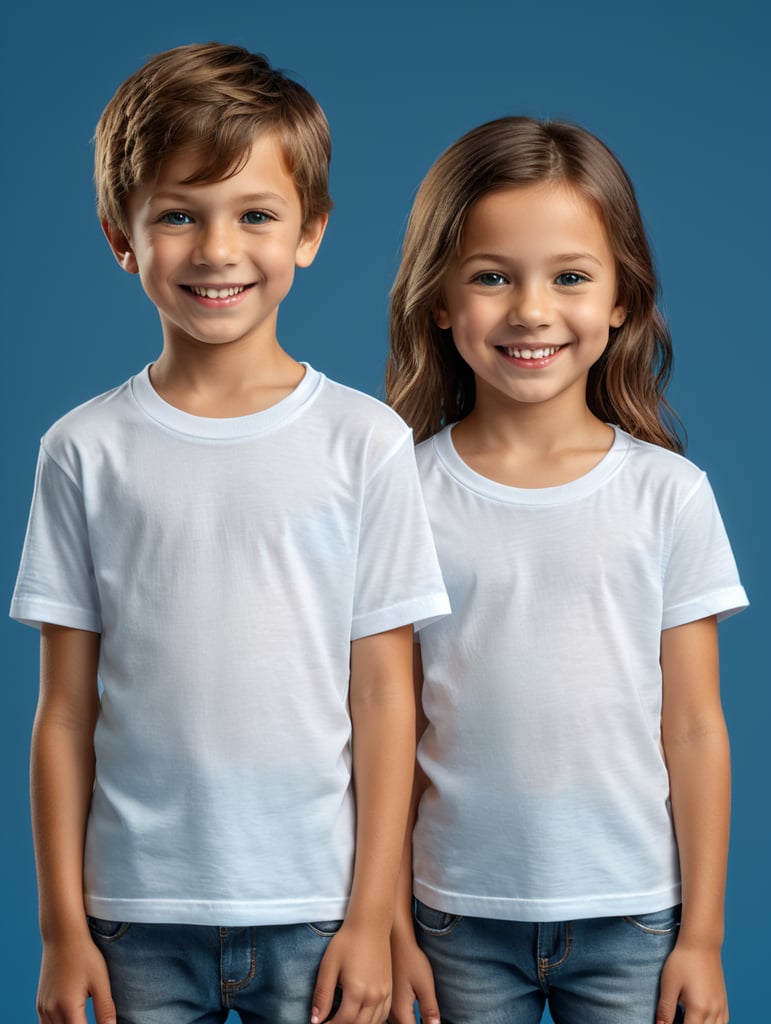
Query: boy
column 225, row 537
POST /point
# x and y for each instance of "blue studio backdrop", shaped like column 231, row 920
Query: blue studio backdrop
column 678, row 89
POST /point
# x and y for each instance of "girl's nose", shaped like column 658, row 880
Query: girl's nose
column 216, row 246
column 531, row 306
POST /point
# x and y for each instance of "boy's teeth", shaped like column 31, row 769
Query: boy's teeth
column 531, row 353
column 216, row 293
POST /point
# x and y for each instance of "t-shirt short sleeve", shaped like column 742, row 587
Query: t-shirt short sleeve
column 56, row 581
column 398, row 580
column 700, row 577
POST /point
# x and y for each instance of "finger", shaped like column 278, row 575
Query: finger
column 429, row 1009
column 357, row 1008
column 403, row 1009
column 324, row 992
column 104, row 1007
column 667, row 1007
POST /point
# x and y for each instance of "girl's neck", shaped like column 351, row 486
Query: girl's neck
column 532, row 446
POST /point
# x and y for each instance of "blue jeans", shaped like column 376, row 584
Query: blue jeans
column 192, row 974
column 596, row 971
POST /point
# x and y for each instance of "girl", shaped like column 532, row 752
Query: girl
column 573, row 725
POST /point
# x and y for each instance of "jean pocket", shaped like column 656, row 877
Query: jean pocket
column 435, row 922
column 108, row 931
column 660, row 922
column 325, row 928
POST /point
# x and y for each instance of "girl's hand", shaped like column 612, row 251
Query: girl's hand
column 693, row 977
column 71, row 971
column 413, row 980
column 358, row 960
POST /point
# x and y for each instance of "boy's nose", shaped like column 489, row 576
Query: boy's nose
column 216, row 246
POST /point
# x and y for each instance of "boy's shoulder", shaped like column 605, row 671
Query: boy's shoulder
column 358, row 414
column 322, row 408
column 88, row 419
column 360, row 403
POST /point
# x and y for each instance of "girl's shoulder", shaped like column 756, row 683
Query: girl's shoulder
column 653, row 461
column 632, row 473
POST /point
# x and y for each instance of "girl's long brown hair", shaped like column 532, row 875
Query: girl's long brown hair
column 427, row 382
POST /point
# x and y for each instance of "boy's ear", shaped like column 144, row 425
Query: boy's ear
column 310, row 240
column 121, row 247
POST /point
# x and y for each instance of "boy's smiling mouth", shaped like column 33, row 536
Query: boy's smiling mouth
column 216, row 291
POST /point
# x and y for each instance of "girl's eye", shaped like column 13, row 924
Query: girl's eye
column 256, row 217
column 176, row 217
column 490, row 279
column 570, row 278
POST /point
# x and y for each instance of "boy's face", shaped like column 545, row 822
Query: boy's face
column 217, row 258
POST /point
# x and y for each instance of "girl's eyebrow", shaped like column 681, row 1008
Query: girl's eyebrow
column 565, row 257
column 499, row 258
column 569, row 257
column 493, row 257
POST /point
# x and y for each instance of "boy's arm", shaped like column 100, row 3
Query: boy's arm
column 696, row 748
column 412, row 976
column 62, row 775
column 383, row 716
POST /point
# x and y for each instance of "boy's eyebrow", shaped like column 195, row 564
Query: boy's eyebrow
column 179, row 193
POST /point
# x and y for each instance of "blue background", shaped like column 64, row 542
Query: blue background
column 680, row 92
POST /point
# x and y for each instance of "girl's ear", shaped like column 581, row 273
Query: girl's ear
column 617, row 316
column 441, row 317
column 310, row 240
column 121, row 247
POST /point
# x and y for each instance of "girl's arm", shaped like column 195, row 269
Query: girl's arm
column 62, row 776
column 412, row 976
column 383, row 716
column 696, row 748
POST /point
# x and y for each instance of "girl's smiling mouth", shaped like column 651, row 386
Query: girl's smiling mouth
column 532, row 356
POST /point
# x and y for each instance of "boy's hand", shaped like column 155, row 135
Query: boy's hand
column 71, row 971
column 358, row 959
column 413, row 980
column 693, row 977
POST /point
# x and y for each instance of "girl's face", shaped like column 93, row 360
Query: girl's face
column 532, row 295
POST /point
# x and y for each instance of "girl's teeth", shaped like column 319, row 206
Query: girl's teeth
column 217, row 293
column 531, row 353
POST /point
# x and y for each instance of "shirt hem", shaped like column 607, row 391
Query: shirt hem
column 418, row 612
column 546, row 910
column 222, row 913
column 723, row 603
column 34, row 613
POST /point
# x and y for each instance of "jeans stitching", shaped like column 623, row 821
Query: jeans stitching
column 232, row 988
column 324, row 933
column 113, row 937
column 545, row 967
column 651, row 931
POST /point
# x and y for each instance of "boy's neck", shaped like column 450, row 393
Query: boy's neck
column 224, row 381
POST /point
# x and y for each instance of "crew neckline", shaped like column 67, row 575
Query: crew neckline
column 212, row 428
column 466, row 476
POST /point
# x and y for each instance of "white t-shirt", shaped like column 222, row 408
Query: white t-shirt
column 228, row 564
column 549, row 795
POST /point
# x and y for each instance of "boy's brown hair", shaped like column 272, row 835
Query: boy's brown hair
column 214, row 98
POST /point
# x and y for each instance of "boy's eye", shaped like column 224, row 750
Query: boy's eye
column 256, row 217
column 490, row 279
column 176, row 217
column 570, row 277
